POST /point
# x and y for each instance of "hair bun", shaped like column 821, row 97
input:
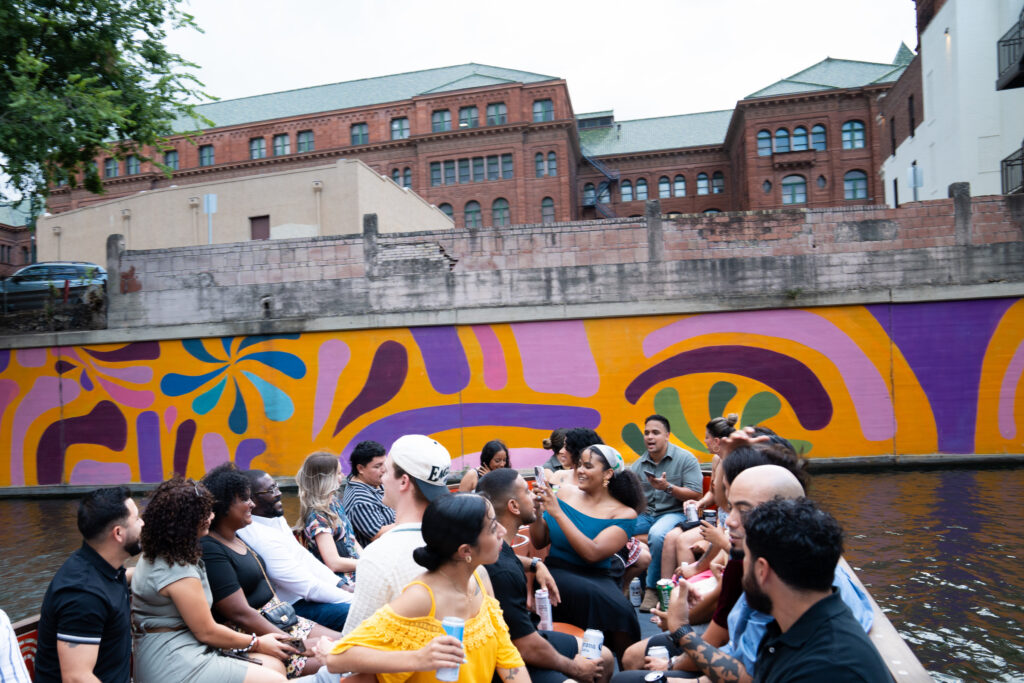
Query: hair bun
column 547, row 444
column 425, row 557
column 732, row 419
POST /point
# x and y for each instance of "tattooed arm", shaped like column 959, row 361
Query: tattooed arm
column 714, row 663
column 516, row 674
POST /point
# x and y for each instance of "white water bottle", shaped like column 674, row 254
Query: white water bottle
column 543, row 605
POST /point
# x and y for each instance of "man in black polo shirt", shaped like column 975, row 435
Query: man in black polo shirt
column 550, row 656
column 85, row 625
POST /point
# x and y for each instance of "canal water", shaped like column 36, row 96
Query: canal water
column 941, row 551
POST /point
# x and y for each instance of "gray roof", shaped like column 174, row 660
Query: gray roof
column 16, row 215
column 665, row 132
column 360, row 93
column 904, row 55
column 833, row 74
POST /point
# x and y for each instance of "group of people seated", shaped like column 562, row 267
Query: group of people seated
column 397, row 579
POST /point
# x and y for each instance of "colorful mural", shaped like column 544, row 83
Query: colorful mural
column 942, row 377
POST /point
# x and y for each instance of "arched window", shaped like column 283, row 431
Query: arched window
column 396, row 175
column 626, row 190
column 680, row 185
column 711, row 212
column 552, row 164
column 588, row 194
column 641, row 189
column 818, row 138
column 547, row 210
column 538, row 163
column 853, row 135
column 781, row 140
column 764, row 143
column 717, row 183
column 855, row 185
column 604, row 195
column 499, row 212
column 799, row 139
column 702, row 183
column 447, row 209
column 794, row 189
column 407, row 177
column 472, row 215
column 664, row 187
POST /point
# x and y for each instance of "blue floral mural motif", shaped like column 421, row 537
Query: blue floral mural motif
column 230, row 366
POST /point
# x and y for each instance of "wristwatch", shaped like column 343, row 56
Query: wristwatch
column 533, row 564
column 681, row 633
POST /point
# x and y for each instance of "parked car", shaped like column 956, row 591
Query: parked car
column 34, row 285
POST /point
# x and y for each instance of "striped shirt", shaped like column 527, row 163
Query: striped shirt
column 364, row 505
column 12, row 666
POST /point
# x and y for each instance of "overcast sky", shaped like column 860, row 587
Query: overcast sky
column 641, row 58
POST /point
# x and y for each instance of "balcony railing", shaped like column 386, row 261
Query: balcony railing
column 1011, row 57
column 1013, row 172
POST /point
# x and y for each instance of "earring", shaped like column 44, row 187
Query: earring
column 606, row 482
column 468, row 559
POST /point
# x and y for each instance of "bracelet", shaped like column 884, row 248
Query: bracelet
column 247, row 648
column 533, row 564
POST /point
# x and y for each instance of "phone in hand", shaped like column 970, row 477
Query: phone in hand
column 538, row 475
column 298, row 643
column 650, row 474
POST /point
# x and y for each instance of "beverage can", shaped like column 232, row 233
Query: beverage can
column 593, row 640
column 636, row 592
column 454, row 627
column 543, row 606
column 711, row 516
column 690, row 510
column 664, row 587
column 658, row 652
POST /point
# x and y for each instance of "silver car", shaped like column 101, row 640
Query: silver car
column 34, row 285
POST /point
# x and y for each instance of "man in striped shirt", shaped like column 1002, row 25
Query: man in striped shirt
column 363, row 499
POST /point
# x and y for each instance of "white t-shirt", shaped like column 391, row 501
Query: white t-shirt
column 385, row 568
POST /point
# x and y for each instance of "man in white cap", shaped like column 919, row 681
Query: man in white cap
column 416, row 472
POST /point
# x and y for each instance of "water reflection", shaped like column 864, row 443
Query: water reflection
column 941, row 552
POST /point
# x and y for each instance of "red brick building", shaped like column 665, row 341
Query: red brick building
column 493, row 146
column 15, row 239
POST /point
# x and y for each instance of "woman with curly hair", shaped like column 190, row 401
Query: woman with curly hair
column 176, row 636
column 238, row 580
column 493, row 456
column 326, row 530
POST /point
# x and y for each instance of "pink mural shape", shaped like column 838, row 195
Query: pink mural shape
column 139, row 374
column 170, row 415
column 1008, row 392
column 557, row 358
column 332, row 357
column 127, row 397
column 44, row 395
column 31, row 358
column 95, row 473
column 215, row 451
column 868, row 390
column 495, row 372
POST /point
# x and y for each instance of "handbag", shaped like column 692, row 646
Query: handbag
column 280, row 614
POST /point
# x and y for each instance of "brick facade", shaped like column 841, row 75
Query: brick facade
column 901, row 109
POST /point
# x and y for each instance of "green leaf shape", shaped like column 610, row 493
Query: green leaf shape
column 719, row 396
column 667, row 403
column 760, row 407
column 801, row 447
column 634, row 438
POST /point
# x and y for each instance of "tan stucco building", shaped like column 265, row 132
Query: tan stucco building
column 307, row 202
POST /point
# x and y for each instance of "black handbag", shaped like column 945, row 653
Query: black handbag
column 280, row 614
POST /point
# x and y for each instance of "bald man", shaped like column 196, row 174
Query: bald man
column 736, row 659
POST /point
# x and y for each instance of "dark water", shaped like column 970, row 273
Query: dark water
column 941, row 551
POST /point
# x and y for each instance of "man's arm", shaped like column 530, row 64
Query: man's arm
column 77, row 660
column 539, row 653
column 368, row 519
column 293, row 569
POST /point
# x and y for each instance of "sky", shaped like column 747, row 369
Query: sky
column 642, row 58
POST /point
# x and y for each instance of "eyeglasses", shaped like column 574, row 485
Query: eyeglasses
column 274, row 488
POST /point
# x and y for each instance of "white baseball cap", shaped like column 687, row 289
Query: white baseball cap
column 425, row 460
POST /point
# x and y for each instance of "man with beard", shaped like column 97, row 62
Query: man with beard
column 298, row 577
column 85, row 624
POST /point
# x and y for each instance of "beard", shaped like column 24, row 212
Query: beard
column 736, row 554
column 133, row 548
column 756, row 597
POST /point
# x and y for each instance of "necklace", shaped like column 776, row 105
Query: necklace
column 233, row 543
column 455, row 585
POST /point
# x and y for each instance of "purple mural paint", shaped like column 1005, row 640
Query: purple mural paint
column 387, row 375
column 147, row 429
column 444, row 357
column 104, row 426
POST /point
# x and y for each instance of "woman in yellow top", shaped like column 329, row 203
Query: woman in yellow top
column 404, row 640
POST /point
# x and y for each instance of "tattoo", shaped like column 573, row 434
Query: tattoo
column 511, row 675
column 73, row 644
column 714, row 663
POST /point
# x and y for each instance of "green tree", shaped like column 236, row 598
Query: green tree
column 81, row 77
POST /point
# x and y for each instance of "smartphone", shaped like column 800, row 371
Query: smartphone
column 298, row 643
column 650, row 474
column 538, row 475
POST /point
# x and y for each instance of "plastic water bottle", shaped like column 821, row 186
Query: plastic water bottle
column 543, row 604
column 453, row 626
column 636, row 592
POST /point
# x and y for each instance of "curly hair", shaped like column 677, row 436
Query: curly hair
column 227, row 485
column 177, row 510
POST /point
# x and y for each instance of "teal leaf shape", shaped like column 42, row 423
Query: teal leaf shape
column 719, row 396
column 667, row 403
column 283, row 362
column 277, row 406
column 634, row 438
column 198, row 351
column 206, row 401
column 238, row 421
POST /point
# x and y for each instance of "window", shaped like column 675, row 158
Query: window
column 441, row 121
column 399, row 128
column 282, row 145
column 360, row 134
column 449, row 172
column 497, row 114
column 396, row 175
column 132, row 165
column 543, row 110
column 680, row 185
column 257, row 148
column 435, row 173
column 507, row 169
column 552, row 164
column 469, row 117
column 717, row 182
column 712, row 212
column 588, row 194
column 472, row 215
column 794, row 190
column 664, row 187
column 463, row 171
column 407, row 177
column 446, row 209
column 641, row 189
column 855, row 185
column 818, row 140
column 781, row 141
column 110, row 168
column 171, row 159
column 499, row 212
column 764, row 143
column 304, row 141
column 766, row 186
column 478, row 169
column 910, row 114
column 206, row 157
column 547, row 210
column 626, row 191
column 538, row 163
column 604, row 195
column 892, row 135
column 822, row 182
column 492, row 168
column 702, row 183
column 799, row 139
column 853, row 135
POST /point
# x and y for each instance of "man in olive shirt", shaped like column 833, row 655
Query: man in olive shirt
column 669, row 476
